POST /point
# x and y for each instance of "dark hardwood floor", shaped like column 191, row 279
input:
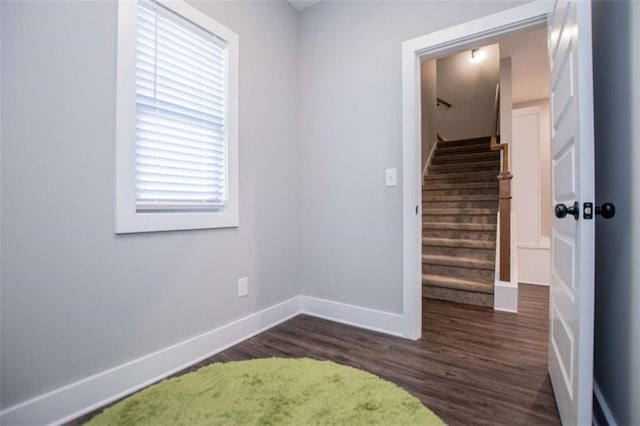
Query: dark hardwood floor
column 472, row 366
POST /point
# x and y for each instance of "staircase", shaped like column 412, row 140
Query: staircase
column 460, row 204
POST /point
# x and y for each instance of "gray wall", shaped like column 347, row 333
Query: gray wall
column 350, row 117
column 430, row 110
column 76, row 298
column 616, row 38
column 471, row 89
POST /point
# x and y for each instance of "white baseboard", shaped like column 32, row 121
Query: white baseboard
column 505, row 296
column 371, row 319
column 602, row 403
column 71, row 401
column 83, row 396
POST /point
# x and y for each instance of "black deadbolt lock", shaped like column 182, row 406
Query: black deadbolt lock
column 587, row 210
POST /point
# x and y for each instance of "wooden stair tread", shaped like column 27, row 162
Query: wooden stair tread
column 459, row 226
column 492, row 163
column 462, row 149
column 470, row 141
column 464, row 158
column 459, row 221
column 458, row 242
column 460, row 212
column 439, row 186
column 457, row 283
column 462, row 175
column 463, row 262
column 463, row 197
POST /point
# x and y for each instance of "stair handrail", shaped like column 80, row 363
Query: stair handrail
column 504, row 206
column 440, row 101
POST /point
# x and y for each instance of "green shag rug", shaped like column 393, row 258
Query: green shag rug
column 273, row 391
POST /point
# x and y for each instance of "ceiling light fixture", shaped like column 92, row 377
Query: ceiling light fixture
column 477, row 55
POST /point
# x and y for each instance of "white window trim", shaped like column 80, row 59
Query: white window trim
column 128, row 220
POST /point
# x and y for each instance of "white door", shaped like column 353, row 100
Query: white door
column 572, row 240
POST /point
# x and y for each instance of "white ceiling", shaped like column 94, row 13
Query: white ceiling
column 529, row 64
column 301, row 5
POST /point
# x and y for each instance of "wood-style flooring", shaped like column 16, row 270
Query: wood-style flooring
column 472, row 366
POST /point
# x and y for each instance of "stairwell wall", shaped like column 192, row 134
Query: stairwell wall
column 350, row 130
column 470, row 88
column 430, row 111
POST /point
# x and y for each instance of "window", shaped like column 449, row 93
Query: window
column 176, row 130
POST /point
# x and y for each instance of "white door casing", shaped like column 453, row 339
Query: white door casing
column 571, row 306
column 476, row 33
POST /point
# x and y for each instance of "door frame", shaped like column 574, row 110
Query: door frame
column 468, row 35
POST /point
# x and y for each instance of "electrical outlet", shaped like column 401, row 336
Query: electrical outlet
column 243, row 287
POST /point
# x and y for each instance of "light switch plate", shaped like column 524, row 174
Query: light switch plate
column 391, row 177
column 243, row 287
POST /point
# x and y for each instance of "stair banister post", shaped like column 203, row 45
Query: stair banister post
column 504, row 207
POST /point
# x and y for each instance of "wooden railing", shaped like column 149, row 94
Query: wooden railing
column 440, row 101
column 504, row 207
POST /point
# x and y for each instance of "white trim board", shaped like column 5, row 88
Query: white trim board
column 505, row 293
column 371, row 319
column 527, row 246
column 518, row 192
column 428, row 163
column 76, row 399
column 535, row 283
column 520, row 111
column 505, row 297
column 475, row 33
column 601, row 402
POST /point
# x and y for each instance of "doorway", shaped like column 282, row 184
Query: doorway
column 469, row 36
column 572, row 183
column 460, row 113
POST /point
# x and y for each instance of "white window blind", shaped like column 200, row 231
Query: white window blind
column 181, row 111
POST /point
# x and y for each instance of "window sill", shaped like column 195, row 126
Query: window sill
column 162, row 222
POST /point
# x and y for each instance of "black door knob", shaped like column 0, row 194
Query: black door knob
column 607, row 210
column 562, row 210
